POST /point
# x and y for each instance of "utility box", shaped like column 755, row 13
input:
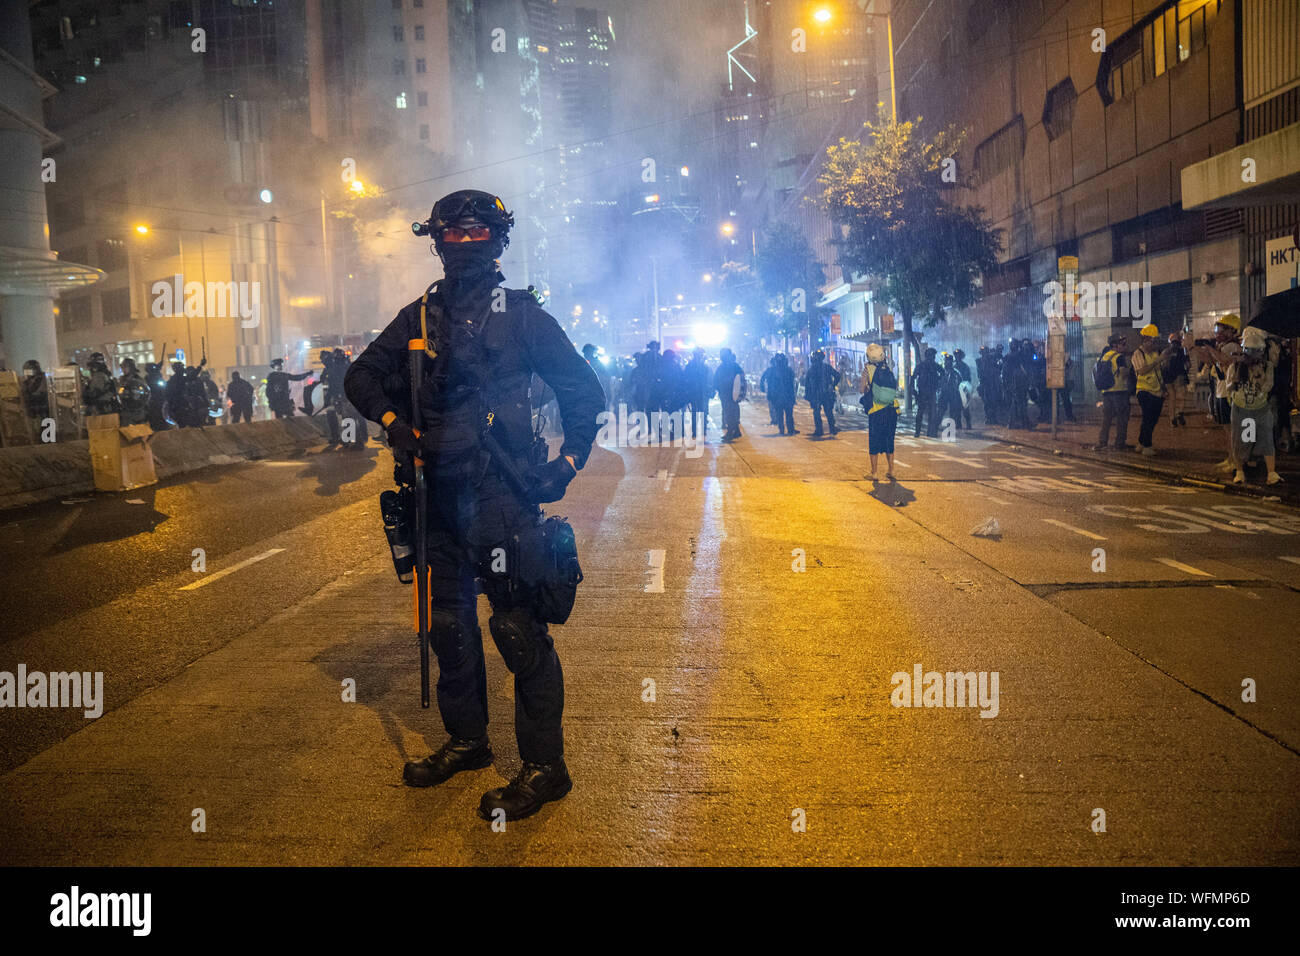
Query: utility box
column 120, row 455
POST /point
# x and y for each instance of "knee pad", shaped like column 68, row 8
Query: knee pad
column 516, row 636
column 449, row 638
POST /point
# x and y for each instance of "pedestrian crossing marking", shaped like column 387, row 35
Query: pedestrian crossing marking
column 1080, row 531
column 231, row 570
column 1179, row 566
column 655, row 581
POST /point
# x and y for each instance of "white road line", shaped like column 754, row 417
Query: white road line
column 1287, row 557
column 1069, row 527
column 1179, row 566
column 231, row 570
column 655, row 582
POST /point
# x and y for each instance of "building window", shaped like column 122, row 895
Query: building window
column 1000, row 151
column 110, row 254
column 418, row 4
column 401, row 100
column 419, row 33
column 1058, row 110
column 421, row 99
column 397, row 34
column 1160, row 41
column 399, row 68
column 75, row 313
column 116, row 306
column 424, row 131
column 419, row 64
column 397, row 4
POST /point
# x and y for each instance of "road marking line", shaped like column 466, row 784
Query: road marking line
column 1179, row 566
column 231, row 570
column 1287, row 557
column 1067, row 527
column 656, row 571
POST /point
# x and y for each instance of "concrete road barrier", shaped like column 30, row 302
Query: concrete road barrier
column 34, row 473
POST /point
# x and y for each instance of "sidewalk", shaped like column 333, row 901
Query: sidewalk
column 1185, row 454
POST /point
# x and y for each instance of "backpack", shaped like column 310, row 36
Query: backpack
column 1103, row 373
column 884, row 387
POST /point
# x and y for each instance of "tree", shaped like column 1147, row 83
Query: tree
column 791, row 274
column 889, row 194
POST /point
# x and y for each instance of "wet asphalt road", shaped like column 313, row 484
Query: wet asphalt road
column 730, row 667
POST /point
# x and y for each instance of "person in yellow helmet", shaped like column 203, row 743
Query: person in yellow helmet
column 1220, row 357
column 1148, row 362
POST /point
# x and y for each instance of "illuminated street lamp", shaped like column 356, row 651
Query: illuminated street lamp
column 142, row 229
column 822, row 15
column 357, row 187
column 728, row 228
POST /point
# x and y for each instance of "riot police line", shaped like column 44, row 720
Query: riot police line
column 43, row 406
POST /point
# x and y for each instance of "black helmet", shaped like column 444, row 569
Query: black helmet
column 32, row 364
column 128, row 366
column 467, row 206
column 819, row 356
column 277, row 363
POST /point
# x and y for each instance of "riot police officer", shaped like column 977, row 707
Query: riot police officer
column 482, row 343
column 100, row 391
column 157, row 412
column 134, row 393
column 277, row 389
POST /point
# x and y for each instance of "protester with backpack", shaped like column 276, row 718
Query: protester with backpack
column 1111, row 376
column 880, row 400
column 1176, row 374
column 1250, row 380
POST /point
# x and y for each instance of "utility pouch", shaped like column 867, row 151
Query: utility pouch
column 546, row 564
column 396, row 508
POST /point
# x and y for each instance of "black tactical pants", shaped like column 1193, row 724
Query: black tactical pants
column 470, row 524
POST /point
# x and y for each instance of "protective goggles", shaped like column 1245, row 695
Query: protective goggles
column 466, row 234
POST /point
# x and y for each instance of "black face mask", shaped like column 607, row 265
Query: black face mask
column 470, row 261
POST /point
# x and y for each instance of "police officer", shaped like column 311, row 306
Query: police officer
column 482, row 343
column 240, row 394
column 277, row 389
column 100, row 391
column 134, row 393
column 157, row 412
column 36, row 393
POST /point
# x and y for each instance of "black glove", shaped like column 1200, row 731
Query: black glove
column 401, row 437
column 551, row 479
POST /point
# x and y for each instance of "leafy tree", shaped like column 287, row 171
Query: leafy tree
column 889, row 190
column 792, row 276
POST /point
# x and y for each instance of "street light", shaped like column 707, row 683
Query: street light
column 823, row 15
column 142, row 229
column 728, row 228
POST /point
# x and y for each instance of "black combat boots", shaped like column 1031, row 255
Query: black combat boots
column 536, row 784
column 452, row 757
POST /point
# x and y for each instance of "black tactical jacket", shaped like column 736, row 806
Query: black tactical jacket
column 484, row 362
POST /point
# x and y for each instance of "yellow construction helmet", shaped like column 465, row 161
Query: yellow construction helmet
column 1150, row 331
column 1232, row 320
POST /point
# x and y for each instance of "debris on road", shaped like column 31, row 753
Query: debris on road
column 989, row 528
